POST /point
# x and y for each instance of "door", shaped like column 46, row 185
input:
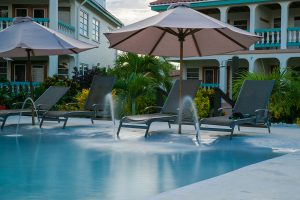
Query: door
column 21, row 12
column 37, row 73
column 39, row 13
column 20, row 72
column 210, row 75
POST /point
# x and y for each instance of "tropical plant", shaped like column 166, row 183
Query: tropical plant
column 137, row 77
column 285, row 100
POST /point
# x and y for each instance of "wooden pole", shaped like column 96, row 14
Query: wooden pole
column 180, row 84
column 30, row 82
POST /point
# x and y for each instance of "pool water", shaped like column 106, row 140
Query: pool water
column 65, row 167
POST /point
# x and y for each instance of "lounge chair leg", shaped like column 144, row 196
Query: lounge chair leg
column 169, row 124
column 147, row 130
column 41, row 123
column 239, row 128
column 231, row 134
column 179, row 128
column 269, row 127
column 65, row 122
column 92, row 120
column 120, row 125
column 3, row 123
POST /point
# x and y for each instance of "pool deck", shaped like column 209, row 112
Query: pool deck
column 278, row 178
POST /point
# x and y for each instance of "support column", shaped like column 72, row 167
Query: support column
column 283, row 60
column 223, row 14
column 284, row 23
column 251, row 64
column 53, row 24
column 223, row 75
column 252, row 21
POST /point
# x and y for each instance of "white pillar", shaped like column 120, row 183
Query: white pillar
column 251, row 64
column 252, row 21
column 284, row 23
column 223, row 14
column 223, row 75
column 53, row 24
column 283, row 62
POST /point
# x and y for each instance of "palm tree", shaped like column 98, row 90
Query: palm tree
column 137, row 77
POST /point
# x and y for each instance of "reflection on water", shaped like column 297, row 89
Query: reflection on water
column 61, row 167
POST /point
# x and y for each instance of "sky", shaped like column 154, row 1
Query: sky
column 130, row 11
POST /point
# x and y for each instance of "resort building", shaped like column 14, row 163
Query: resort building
column 278, row 22
column 85, row 20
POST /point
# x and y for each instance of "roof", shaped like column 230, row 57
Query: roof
column 105, row 12
column 158, row 2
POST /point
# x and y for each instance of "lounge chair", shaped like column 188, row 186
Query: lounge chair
column 169, row 111
column 44, row 103
column 94, row 105
column 249, row 109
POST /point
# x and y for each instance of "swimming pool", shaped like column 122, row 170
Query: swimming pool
column 71, row 167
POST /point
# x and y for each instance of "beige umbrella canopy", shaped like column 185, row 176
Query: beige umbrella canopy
column 180, row 32
column 26, row 38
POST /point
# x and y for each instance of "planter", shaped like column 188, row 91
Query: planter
column 2, row 107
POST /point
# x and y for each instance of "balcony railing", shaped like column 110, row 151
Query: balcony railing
column 63, row 27
column 293, row 36
column 271, row 38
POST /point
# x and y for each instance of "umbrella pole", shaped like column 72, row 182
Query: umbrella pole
column 30, row 83
column 180, row 87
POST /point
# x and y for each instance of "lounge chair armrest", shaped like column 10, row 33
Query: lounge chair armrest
column 71, row 104
column 220, row 110
column 152, row 107
column 95, row 106
column 20, row 103
column 261, row 114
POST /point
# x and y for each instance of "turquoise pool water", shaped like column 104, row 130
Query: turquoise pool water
column 68, row 167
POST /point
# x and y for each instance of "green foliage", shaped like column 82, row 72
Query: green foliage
column 8, row 96
column 203, row 101
column 285, row 100
column 137, row 77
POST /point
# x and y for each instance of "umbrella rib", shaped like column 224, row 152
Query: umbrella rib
column 168, row 30
column 158, row 41
column 231, row 39
column 133, row 34
column 196, row 45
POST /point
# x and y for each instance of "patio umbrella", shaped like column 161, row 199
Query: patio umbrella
column 180, row 32
column 26, row 38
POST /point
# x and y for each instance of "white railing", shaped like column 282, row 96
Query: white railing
column 63, row 27
column 294, row 36
column 270, row 37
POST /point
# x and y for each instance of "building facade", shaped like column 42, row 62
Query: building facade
column 85, row 20
column 277, row 21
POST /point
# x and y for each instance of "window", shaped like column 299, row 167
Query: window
column 37, row 73
column 277, row 23
column 96, row 30
column 84, row 20
column 192, row 73
column 3, row 11
column 297, row 22
column 38, row 13
column 63, row 70
column 83, row 68
column 3, row 70
column 20, row 72
column 21, row 12
column 241, row 24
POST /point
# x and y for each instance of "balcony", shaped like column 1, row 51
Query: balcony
column 63, row 27
column 271, row 38
column 293, row 37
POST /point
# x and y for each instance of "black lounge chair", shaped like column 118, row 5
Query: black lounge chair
column 169, row 111
column 94, row 105
column 44, row 103
column 249, row 109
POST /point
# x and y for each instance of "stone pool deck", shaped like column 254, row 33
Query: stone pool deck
column 278, row 178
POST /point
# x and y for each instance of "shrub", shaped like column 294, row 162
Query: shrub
column 85, row 80
column 203, row 101
column 82, row 97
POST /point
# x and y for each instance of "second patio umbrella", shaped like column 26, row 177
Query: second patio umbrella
column 26, row 38
column 180, row 32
